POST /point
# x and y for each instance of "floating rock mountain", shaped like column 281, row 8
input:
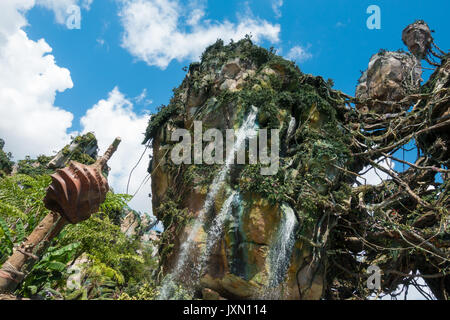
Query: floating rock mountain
column 231, row 232
column 253, row 251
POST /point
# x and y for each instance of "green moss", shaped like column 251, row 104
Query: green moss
column 159, row 119
column 275, row 189
column 174, row 219
column 85, row 143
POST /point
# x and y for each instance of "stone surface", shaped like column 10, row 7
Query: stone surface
column 238, row 266
column 390, row 76
column 76, row 271
column 417, row 37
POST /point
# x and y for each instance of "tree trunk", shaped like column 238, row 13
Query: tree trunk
column 24, row 257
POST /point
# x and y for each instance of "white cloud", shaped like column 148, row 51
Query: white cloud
column 299, row 54
column 276, row 7
column 115, row 117
column 413, row 293
column 86, row 4
column 32, row 125
column 29, row 80
column 157, row 31
column 11, row 17
column 376, row 176
column 142, row 98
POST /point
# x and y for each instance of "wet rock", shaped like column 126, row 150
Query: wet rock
column 260, row 220
column 231, row 285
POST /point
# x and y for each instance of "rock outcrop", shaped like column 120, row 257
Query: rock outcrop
column 247, row 245
column 391, row 76
column 417, row 37
column 231, row 232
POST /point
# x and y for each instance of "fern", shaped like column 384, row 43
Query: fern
column 20, row 231
column 113, row 258
column 6, row 242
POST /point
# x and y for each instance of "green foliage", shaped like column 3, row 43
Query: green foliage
column 218, row 53
column 86, row 144
column 6, row 240
column 274, row 188
column 49, row 272
column 158, row 120
column 174, row 219
column 21, row 209
column 114, row 206
column 21, row 198
column 113, row 257
column 108, row 248
column 146, row 291
column 5, row 160
column 34, row 167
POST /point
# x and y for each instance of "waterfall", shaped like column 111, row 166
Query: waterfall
column 281, row 249
column 247, row 129
column 216, row 229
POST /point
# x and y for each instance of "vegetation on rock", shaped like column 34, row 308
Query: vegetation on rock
column 401, row 225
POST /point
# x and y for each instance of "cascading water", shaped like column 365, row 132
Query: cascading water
column 281, row 249
column 216, row 229
column 247, row 129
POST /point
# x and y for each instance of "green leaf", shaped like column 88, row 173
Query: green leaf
column 33, row 289
column 20, row 231
column 5, row 229
column 55, row 266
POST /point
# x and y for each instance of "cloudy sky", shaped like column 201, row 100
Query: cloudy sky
column 127, row 55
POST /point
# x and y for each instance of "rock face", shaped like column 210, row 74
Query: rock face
column 390, row 76
column 243, row 237
column 135, row 225
column 417, row 37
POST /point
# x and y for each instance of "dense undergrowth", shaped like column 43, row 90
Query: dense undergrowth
column 114, row 265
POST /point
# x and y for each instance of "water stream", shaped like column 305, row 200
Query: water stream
column 216, row 229
column 282, row 246
column 247, row 129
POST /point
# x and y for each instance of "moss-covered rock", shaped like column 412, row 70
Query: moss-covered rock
column 220, row 91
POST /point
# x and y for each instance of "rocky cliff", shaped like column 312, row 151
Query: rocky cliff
column 256, row 238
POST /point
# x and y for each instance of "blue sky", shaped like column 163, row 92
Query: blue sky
column 128, row 55
column 333, row 32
